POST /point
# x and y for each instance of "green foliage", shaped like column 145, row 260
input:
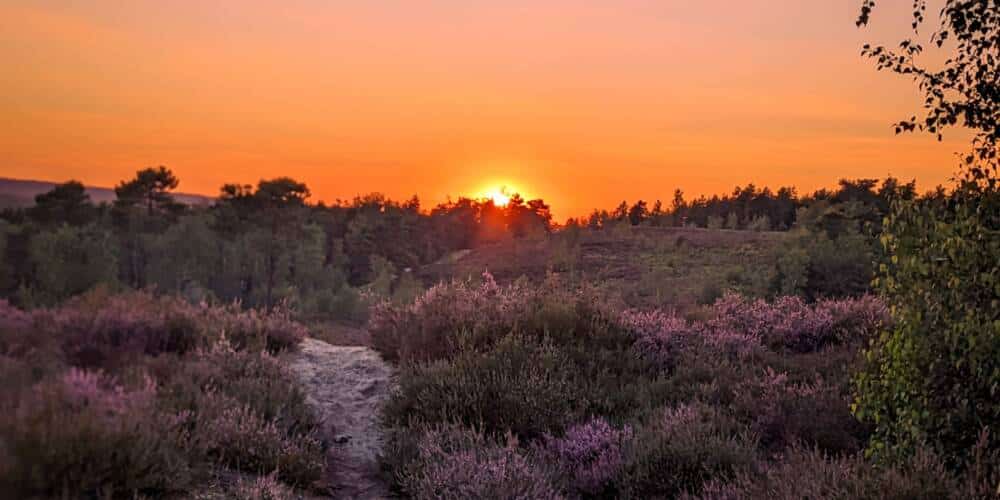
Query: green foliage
column 384, row 273
column 792, row 266
column 936, row 376
column 816, row 265
column 70, row 260
column 65, row 203
column 963, row 91
column 185, row 257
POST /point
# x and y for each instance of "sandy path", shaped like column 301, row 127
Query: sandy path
column 346, row 385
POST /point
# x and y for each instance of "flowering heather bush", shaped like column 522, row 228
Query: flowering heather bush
column 12, row 318
column 859, row 318
column 183, row 386
column 791, row 323
column 589, row 456
column 245, row 412
column 681, row 449
column 234, row 435
column 263, row 488
column 453, row 316
column 664, row 339
column 659, row 337
column 804, row 473
column 123, row 328
column 520, row 386
column 783, row 414
column 83, row 434
column 115, row 331
column 457, row 463
column 251, row 329
column 740, row 325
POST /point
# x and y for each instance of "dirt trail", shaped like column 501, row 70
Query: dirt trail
column 346, row 385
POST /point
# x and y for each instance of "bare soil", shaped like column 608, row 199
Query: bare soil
column 346, row 386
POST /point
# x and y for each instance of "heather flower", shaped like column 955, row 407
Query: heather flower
column 663, row 338
column 456, row 463
column 456, row 316
column 91, row 390
column 235, row 435
column 263, row 488
column 590, row 455
column 83, row 432
column 791, row 323
column 12, row 318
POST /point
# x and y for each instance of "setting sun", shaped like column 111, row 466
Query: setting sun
column 500, row 195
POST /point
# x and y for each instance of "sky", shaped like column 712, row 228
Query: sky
column 584, row 103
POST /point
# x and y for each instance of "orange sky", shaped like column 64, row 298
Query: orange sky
column 582, row 102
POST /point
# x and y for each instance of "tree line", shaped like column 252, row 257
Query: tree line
column 860, row 200
column 260, row 245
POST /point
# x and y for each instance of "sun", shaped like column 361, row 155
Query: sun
column 500, row 196
column 500, row 193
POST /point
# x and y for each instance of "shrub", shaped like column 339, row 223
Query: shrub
column 457, row 463
column 790, row 323
column 245, row 412
column 520, row 386
column 123, row 328
column 233, row 434
column 451, row 317
column 263, row 488
column 664, row 338
column 589, row 456
column 255, row 330
column 935, row 376
column 112, row 332
column 783, row 414
column 804, row 473
column 180, row 395
column 83, row 434
column 680, row 450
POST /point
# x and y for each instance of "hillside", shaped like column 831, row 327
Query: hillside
column 642, row 266
column 21, row 193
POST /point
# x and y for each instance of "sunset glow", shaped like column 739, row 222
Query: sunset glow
column 499, row 196
column 586, row 102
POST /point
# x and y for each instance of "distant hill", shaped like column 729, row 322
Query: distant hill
column 21, row 193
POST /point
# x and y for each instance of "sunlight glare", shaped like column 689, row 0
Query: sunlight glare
column 500, row 195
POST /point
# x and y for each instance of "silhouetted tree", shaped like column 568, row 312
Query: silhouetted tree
column 637, row 213
column 151, row 189
column 678, row 207
column 279, row 201
column 65, row 203
column 143, row 206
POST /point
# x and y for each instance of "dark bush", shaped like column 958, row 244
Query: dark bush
column 83, row 435
column 680, row 450
column 520, row 386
